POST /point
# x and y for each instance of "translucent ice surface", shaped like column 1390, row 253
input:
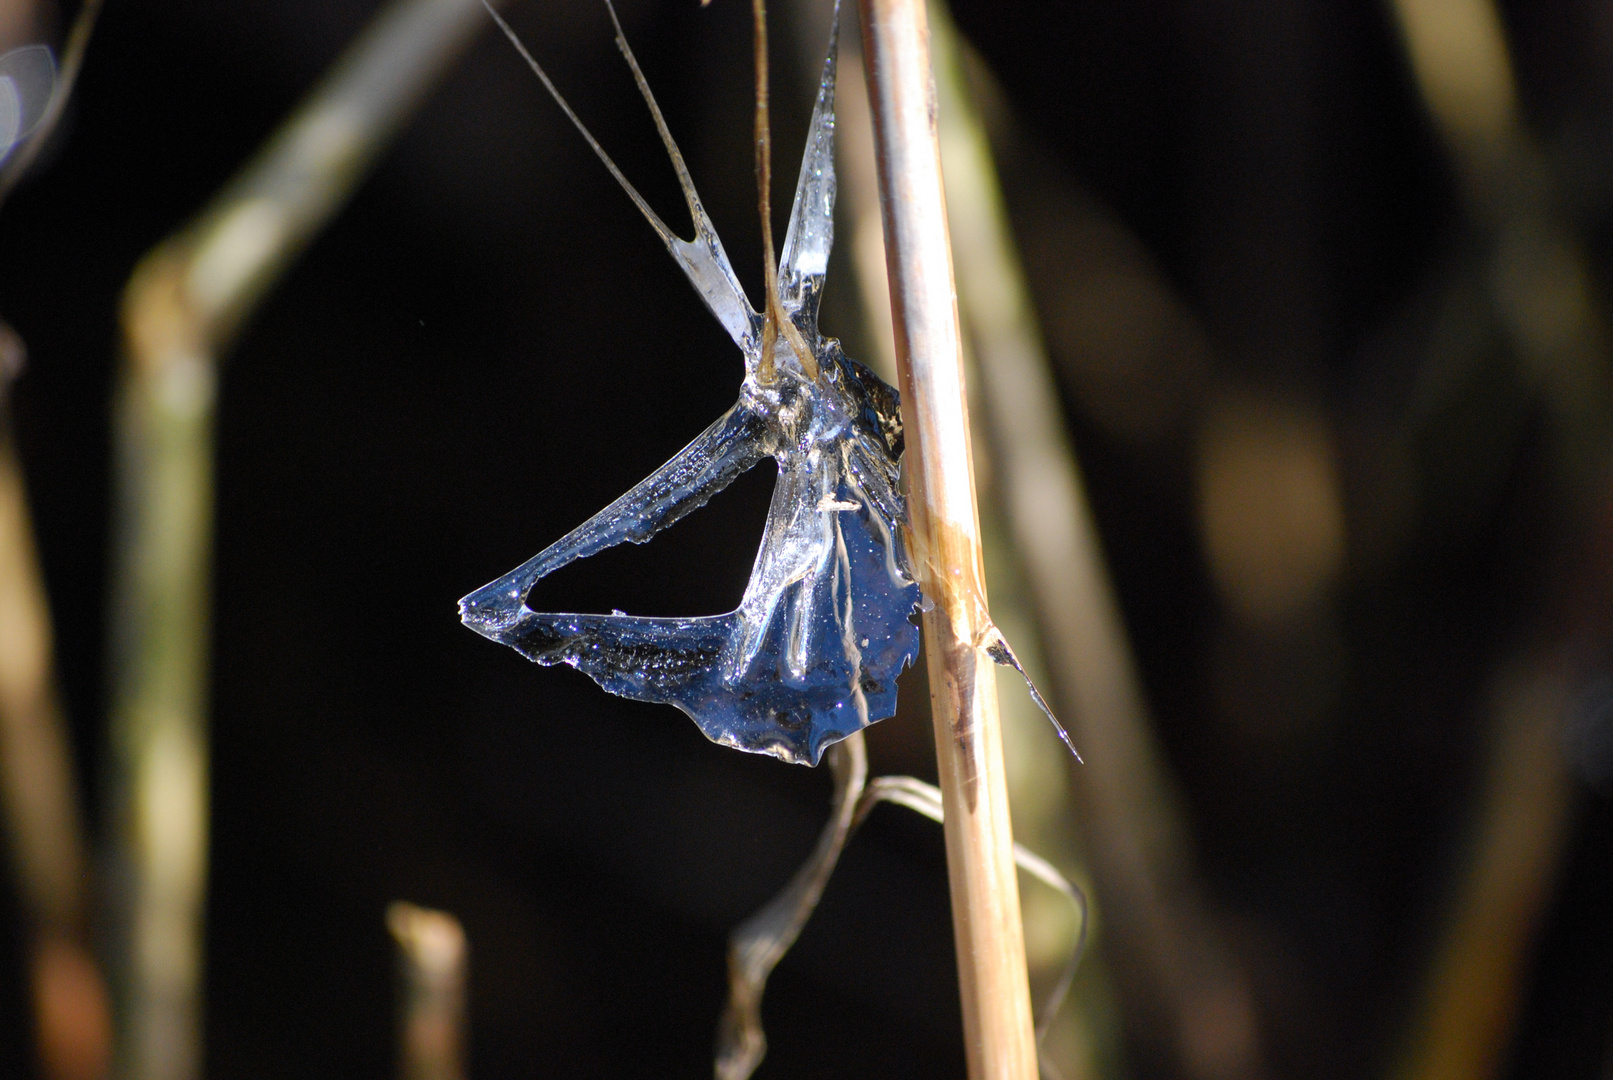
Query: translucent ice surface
column 813, row 650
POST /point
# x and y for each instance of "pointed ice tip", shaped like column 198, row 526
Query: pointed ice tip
column 490, row 609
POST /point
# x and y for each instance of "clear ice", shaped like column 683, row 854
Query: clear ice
column 812, row 653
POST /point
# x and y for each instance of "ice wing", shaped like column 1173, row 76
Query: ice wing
column 811, row 655
column 719, row 455
column 805, row 258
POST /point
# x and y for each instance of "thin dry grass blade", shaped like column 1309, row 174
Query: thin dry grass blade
column 922, row 798
column 760, row 942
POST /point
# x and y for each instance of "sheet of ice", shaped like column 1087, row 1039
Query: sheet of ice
column 813, row 650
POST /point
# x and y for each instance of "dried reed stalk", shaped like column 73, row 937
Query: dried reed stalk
column 1137, row 838
column 999, row 1041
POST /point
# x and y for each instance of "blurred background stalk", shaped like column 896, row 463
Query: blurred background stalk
column 433, row 962
column 39, row 792
column 182, row 309
column 1539, row 293
column 1471, row 988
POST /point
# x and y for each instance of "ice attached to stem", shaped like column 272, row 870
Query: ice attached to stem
column 813, row 650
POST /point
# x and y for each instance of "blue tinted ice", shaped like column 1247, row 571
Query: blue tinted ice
column 813, row 651
column 27, row 78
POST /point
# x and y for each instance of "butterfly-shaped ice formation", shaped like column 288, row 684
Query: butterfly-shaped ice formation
column 812, row 653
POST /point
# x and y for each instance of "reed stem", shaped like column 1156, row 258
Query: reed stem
column 998, row 1031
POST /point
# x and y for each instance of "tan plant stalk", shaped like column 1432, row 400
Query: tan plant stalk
column 1136, row 835
column 998, row 1037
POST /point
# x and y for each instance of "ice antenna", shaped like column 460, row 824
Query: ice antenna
column 702, row 259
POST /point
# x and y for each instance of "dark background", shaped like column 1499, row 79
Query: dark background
column 489, row 345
